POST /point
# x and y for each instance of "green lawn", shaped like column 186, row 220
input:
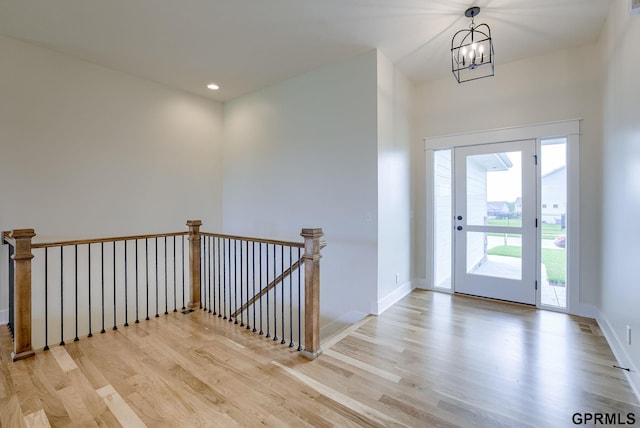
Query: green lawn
column 553, row 259
column 549, row 231
column 514, row 222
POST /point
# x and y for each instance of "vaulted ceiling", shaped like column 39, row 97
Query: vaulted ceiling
column 245, row 45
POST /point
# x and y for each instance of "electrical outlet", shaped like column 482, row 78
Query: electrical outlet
column 629, row 335
column 397, row 278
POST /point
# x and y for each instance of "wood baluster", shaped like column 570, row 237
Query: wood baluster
column 312, row 292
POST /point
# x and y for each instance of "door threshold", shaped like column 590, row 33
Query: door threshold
column 490, row 299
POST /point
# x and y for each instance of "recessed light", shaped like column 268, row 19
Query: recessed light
column 213, row 86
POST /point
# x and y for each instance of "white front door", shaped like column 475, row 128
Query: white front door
column 495, row 221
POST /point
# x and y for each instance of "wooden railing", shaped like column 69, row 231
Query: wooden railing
column 138, row 275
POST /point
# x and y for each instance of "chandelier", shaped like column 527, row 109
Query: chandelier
column 472, row 54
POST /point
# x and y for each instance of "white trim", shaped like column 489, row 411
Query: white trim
column 4, row 317
column 430, row 257
column 573, row 222
column 515, row 133
column 538, row 256
column 392, row 298
column 622, row 357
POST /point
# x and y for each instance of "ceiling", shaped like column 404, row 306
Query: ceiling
column 245, row 45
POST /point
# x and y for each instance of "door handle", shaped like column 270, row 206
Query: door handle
column 459, row 227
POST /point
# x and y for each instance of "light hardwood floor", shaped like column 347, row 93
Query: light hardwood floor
column 430, row 360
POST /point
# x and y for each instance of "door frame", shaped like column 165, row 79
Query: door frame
column 569, row 129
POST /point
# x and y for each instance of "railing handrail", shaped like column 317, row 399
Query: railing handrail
column 7, row 239
column 251, row 239
column 102, row 240
column 71, row 242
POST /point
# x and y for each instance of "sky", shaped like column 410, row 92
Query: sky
column 507, row 185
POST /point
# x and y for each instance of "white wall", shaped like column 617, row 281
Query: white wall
column 620, row 292
column 394, row 183
column 88, row 151
column 561, row 85
column 303, row 153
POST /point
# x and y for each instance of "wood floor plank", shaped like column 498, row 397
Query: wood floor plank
column 37, row 420
column 78, row 412
column 10, row 413
column 121, row 410
column 63, row 359
column 430, row 360
column 331, row 341
column 375, row 417
column 363, row 366
column 377, row 341
column 36, row 381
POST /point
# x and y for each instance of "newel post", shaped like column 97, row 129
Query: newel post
column 194, row 261
column 22, row 296
column 311, row 259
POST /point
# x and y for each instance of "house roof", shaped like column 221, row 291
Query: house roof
column 555, row 171
column 249, row 44
column 500, row 206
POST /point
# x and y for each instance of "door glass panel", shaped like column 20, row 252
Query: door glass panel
column 495, row 254
column 443, row 197
column 553, row 195
column 494, row 189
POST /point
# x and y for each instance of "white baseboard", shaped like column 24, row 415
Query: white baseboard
column 619, row 351
column 338, row 324
column 390, row 299
column 4, row 317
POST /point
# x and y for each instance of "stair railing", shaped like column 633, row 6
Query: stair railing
column 94, row 282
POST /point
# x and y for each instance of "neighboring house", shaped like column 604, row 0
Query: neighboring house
column 498, row 209
column 554, row 196
column 517, row 207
